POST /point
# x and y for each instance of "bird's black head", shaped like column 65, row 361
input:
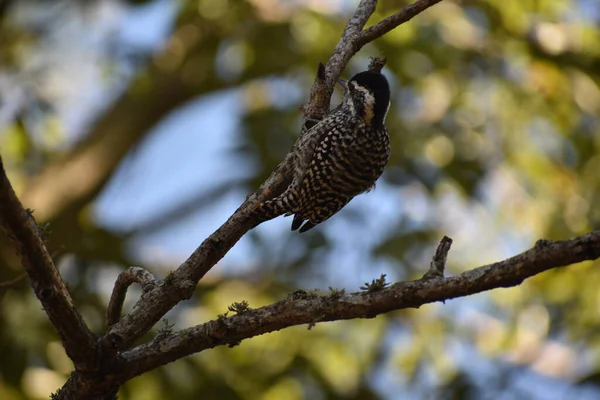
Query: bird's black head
column 370, row 94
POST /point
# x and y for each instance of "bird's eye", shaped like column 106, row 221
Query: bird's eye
column 309, row 123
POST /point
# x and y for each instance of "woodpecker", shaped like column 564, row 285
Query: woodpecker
column 339, row 158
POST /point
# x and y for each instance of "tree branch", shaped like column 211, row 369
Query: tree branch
column 125, row 279
column 301, row 307
column 154, row 304
column 45, row 279
column 352, row 40
column 320, row 93
column 438, row 264
column 393, row 21
column 13, row 281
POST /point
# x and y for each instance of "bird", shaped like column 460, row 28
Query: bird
column 339, row 158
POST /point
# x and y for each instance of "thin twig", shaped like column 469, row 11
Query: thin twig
column 393, row 21
column 125, row 279
column 438, row 263
column 13, row 281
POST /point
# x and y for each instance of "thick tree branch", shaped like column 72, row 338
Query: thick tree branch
column 305, row 308
column 45, row 279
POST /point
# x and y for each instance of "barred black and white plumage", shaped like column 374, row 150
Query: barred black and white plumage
column 340, row 157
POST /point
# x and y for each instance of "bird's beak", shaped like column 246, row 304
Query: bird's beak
column 343, row 84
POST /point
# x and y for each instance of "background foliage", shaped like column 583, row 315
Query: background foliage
column 134, row 128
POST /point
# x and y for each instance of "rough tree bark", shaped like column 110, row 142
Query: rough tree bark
column 104, row 363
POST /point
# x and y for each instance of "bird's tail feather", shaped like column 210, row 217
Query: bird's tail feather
column 269, row 210
column 272, row 209
column 298, row 220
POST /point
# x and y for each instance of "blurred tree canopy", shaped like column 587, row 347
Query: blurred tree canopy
column 134, row 128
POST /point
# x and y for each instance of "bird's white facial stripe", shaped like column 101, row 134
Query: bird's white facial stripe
column 369, row 101
column 386, row 110
column 369, row 98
